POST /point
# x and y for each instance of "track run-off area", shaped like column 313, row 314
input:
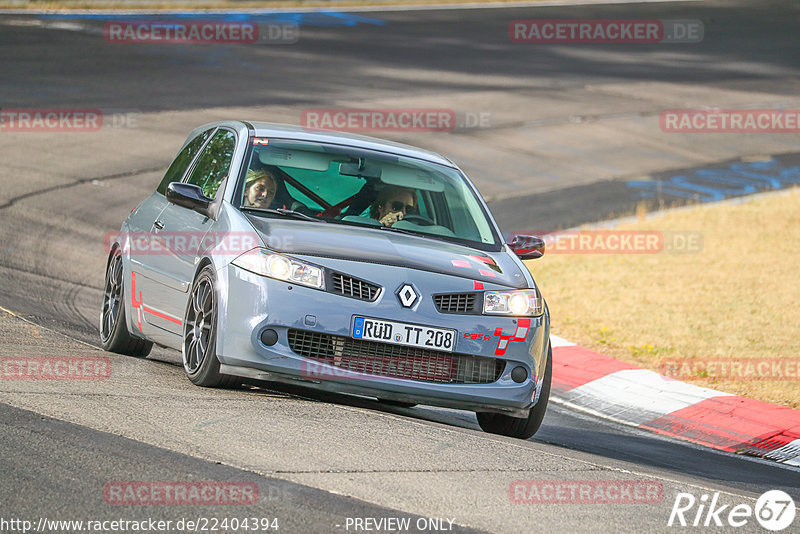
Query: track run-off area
column 552, row 135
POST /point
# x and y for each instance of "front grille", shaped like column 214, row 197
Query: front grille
column 396, row 361
column 353, row 287
column 455, row 302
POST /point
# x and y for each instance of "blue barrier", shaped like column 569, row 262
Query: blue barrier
column 709, row 185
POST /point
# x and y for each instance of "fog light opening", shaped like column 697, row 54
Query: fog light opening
column 269, row 337
column 519, row 375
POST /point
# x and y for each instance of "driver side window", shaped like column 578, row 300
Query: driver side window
column 214, row 163
column 182, row 161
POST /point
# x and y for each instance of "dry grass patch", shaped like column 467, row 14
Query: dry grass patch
column 738, row 298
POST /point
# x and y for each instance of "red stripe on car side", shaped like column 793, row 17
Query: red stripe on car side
column 162, row 315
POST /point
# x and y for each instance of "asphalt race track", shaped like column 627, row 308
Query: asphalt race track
column 564, row 125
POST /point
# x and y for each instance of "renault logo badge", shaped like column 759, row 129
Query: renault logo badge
column 407, row 295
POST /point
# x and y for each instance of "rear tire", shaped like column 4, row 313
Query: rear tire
column 199, row 348
column 521, row 427
column 114, row 334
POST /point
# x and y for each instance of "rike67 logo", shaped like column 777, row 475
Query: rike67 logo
column 774, row 510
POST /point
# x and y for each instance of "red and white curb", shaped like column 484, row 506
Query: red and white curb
column 600, row 385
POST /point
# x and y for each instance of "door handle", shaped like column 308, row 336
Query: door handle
column 158, row 224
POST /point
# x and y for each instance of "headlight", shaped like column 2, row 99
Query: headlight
column 527, row 302
column 267, row 263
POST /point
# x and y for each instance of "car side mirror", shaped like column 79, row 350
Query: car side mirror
column 527, row 247
column 188, row 196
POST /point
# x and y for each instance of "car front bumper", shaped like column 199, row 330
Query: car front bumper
column 251, row 303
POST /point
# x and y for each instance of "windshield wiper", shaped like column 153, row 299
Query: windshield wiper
column 299, row 215
column 286, row 213
column 418, row 234
column 399, row 230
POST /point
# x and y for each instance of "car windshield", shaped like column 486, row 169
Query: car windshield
column 352, row 186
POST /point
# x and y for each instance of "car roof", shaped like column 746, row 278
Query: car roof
column 267, row 129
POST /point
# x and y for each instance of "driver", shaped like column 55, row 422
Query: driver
column 392, row 204
column 260, row 188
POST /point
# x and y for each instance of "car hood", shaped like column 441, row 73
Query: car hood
column 388, row 248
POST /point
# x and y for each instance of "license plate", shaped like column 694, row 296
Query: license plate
column 411, row 335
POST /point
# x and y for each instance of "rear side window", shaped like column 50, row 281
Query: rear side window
column 183, row 160
column 213, row 165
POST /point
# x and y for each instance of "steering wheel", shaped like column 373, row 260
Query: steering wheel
column 421, row 220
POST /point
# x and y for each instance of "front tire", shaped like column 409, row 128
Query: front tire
column 199, row 347
column 114, row 334
column 521, row 427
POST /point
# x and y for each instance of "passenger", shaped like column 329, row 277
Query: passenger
column 392, row 204
column 260, row 188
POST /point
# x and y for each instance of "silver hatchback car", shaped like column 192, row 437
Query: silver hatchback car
column 340, row 262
